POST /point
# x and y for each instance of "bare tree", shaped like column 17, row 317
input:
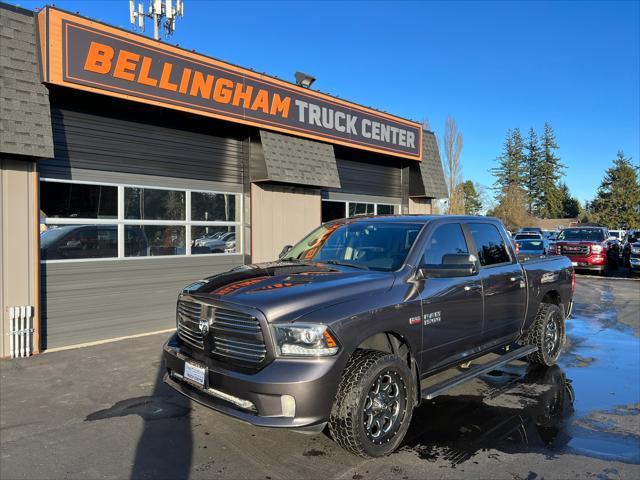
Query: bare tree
column 453, row 169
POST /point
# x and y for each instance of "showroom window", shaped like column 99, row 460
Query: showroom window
column 93, row 221
column 334, row 209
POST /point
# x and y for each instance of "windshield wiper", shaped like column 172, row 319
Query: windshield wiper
column 346, row 264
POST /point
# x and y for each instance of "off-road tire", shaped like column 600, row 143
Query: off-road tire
column 347, row 423
column 538, row 335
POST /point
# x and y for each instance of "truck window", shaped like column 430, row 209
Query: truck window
column 447, row 239
column 491, row 247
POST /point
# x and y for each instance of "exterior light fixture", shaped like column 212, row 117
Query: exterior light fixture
column 304, row 80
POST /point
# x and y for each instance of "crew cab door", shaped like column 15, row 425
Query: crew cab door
column 451, row 307
column 503, row 283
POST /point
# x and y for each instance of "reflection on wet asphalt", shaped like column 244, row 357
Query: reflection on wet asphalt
column 589, row 404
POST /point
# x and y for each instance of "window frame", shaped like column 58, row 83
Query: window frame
column 121, row 222
column 470, row 246
column 507, row 244
column 396, row 206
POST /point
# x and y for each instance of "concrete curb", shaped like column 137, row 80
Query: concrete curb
column 596, row 277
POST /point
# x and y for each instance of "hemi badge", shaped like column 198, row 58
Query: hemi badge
column 415, row 320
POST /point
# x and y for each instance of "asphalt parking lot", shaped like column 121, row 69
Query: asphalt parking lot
column 103, row 412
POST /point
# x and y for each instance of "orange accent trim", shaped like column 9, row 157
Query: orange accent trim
column 55, row 76
column 42, row 36
column 36, row 260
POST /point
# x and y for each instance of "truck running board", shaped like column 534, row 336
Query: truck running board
column 439, row 388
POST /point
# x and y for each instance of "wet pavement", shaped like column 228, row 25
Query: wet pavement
column 103, row 412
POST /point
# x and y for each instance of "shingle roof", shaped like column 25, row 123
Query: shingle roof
column 428, row 176
column 297, row 160
column 25, row 121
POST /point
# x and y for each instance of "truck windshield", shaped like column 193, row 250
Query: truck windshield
column 582, row 234
column 369, row 245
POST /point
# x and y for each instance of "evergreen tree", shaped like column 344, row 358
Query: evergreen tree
column 570, row 205
column 617, row 202
column 510, row 172
column 511, row 208
column 472, row 201
column 548, row 202
column 533, row 158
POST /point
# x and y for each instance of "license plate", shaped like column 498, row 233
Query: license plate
column 194, row 373
column 575, row 264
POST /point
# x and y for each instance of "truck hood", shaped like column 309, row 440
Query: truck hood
column 285, row 291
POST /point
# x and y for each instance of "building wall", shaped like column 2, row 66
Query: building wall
column 18, row 241
column 281, row 215
column 103, row 140
column 420, row 206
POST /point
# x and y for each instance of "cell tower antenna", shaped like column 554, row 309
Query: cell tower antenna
column 163, row 13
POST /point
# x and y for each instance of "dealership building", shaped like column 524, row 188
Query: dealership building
column 130, row 167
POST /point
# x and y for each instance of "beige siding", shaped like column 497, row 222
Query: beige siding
column 280, row 216
column 18, row 241
column 420, row 206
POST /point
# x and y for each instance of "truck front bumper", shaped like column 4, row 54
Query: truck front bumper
column 287, row 393
column 591, row 262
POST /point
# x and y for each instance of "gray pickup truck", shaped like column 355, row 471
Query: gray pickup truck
column 361, row 320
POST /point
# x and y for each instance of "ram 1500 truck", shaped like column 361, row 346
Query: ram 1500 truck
column 361, row 320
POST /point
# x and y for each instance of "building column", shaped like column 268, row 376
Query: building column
column 19, row 247
column 281, row 215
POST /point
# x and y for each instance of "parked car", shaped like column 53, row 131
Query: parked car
column 90, row 241
column 616, row 235
column 632, row 237
column 531, row 247
column 218, row 244
column 520, row 237
column 530, row 229
column 351, row 325
column 587, row 247
column 201, row 241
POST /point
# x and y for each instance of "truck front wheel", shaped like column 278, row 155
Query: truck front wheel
column 374, row 404
column 548, row 334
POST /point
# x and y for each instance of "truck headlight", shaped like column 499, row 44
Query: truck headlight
column 596, row 248
column 308, row 340
column 635, row 250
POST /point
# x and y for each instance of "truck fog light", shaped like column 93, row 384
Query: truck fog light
column 288, row 406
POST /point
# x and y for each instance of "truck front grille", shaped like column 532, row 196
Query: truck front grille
column 233, row 337
column 237, row 336
column 574, row 250
column 188, row 324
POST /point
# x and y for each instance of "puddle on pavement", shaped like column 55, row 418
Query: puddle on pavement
column 589, row 404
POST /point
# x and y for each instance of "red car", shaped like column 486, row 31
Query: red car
column 586, row 247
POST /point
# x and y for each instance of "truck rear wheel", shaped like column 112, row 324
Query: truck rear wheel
column 374, row 404
column 548, row 334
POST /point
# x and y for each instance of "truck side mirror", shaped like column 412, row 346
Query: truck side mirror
column 285, row 250
column 453, row 265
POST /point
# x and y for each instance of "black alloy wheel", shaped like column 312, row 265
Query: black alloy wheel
column 384, row 407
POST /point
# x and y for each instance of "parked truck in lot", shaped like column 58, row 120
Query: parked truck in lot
column 588, row 248
column 362, row 320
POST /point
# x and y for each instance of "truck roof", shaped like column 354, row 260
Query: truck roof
column 413, row 218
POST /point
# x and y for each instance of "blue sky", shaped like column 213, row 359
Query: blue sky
column 491, row 65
